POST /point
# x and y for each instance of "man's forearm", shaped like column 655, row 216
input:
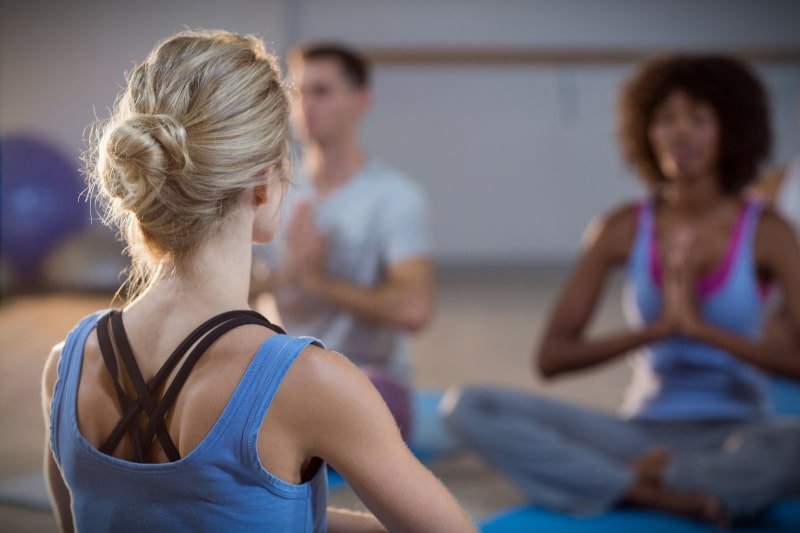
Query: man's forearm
column 398, row 306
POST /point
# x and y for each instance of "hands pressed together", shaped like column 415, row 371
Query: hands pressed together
column 306, row 254
column 306, row 248
column 680, row 313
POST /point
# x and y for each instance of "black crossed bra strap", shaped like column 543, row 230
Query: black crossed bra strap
column 204, row 336
column 109, row 353
column 145, row 397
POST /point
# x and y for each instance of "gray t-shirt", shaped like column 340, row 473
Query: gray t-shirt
column 378, row 218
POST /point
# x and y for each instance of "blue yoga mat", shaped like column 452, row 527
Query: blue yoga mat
column 429, row 438
column 782, row 517
column 785, row 396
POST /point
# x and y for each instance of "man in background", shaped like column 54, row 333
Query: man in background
column 352, row 265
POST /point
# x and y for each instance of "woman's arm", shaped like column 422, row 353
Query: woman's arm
column 777, row 351
column 353, row 522
column 769, row 356
column 564, row 347
column 59, row 493
column 344, row 421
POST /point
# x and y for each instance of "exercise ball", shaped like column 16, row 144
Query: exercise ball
column 41, row 203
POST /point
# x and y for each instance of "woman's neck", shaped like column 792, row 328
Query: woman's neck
column 215, row 278
column 693, row 197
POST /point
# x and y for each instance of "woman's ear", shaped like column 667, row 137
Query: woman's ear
column 260, row 194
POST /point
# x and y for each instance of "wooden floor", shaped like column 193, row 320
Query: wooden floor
column 484, row 332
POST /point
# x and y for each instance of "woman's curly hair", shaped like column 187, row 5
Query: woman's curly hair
column 733, row 91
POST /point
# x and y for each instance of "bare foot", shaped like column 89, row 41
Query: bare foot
column 649, row 467
column 714, row 512
column 698, row 506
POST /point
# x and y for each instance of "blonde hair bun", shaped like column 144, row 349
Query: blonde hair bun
column 142, row 152
column 204, row 117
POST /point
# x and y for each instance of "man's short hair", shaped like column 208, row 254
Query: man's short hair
column 355, row 67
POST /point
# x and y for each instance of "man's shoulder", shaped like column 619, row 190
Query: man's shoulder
column 394, row 183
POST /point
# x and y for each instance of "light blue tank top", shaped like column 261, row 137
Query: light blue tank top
column 680, row 378
column 219, row 486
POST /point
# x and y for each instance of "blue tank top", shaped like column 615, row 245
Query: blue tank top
column 218, row 486
column 680, row 378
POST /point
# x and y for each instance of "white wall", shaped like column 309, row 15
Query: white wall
column 689, row 23
column 60, row 61
column 516, row 158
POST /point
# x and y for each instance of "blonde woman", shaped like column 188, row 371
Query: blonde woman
column 185, row 410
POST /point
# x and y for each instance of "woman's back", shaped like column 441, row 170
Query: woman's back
column 219, row 441
column 153, row 334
